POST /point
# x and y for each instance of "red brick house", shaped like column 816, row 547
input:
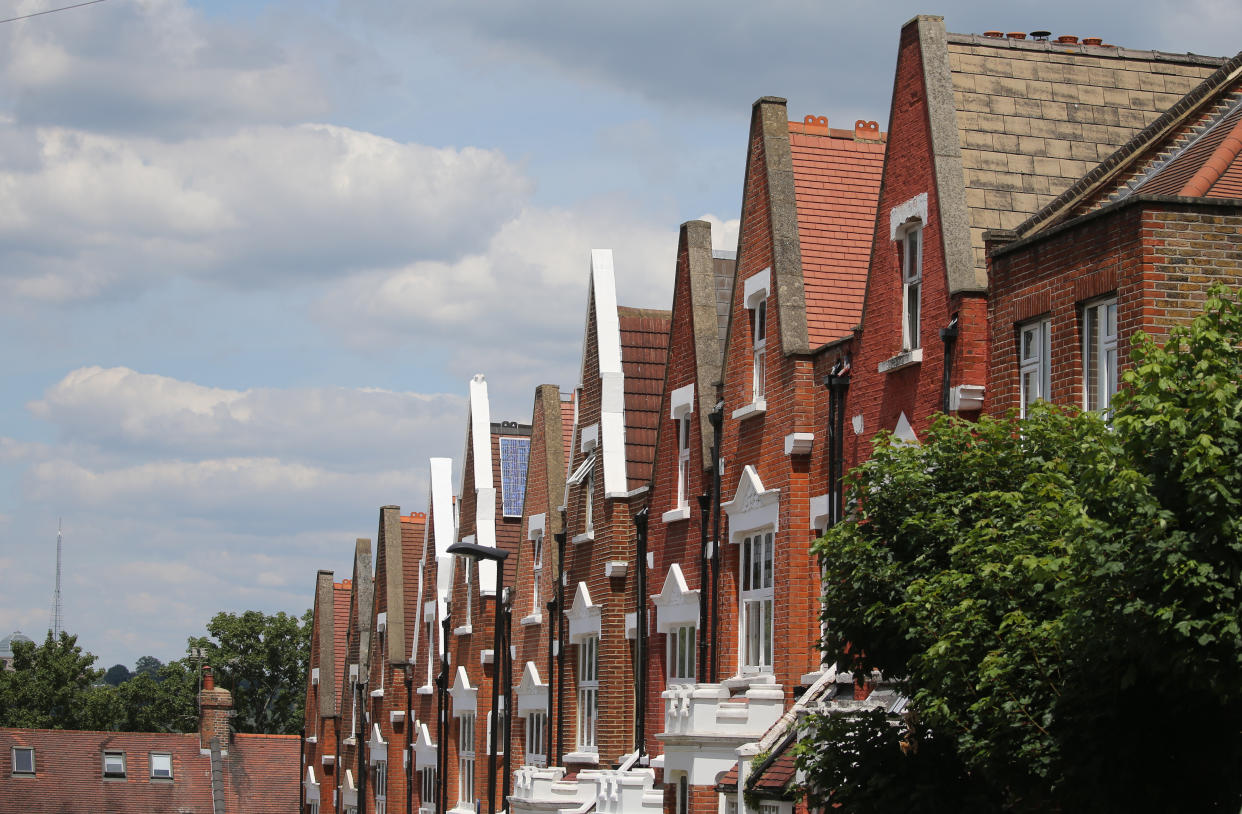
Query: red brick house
column 353, row 678
column 537, row 587
column 679, row 530
column 323, row 735
column 618, row 398
column 808, row 211
column 1133, row 245
column 212, row 771
column 985, row 131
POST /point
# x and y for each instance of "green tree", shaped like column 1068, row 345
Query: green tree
column 149, row 666
column 262, row 660
column 1060, row 600
column 48, row 685
column 117, row 674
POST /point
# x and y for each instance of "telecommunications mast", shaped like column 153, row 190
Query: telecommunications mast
column 58, row 610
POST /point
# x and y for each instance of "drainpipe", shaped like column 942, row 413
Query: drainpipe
column 640, row 632
column 717, row 419
column 409, row 739
column 494, row 713
column 948, row 335
column 442, row 713
column 560, row 638
column 360, row 693
column 838, row 384
column 554, row 613
column 336, row 765
column 705, row 508
column 508, row 691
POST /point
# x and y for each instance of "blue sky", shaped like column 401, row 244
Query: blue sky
column 251, row 253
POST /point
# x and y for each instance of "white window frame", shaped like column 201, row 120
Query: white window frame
column 427, row 790
column 588, row 509
column 28, row 750
column 1100, row 366
column 313, row 806
column 114, row 755
column 500, row 734
column 379, row 785
column 759, row 351
column 683, row 460
column 756, row 601
column 682, row 654
column 911, row 286
column 681, row 794
column 588, row 694
column 167, row 757
column 1034, row 362
column 536, row 737
column 536, row 565
column 465, row 761
column 466, row 563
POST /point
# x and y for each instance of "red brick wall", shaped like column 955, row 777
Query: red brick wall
column 1157, row 259
column 791, row 394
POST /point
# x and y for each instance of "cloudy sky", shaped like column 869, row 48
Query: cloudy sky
column 252, row 252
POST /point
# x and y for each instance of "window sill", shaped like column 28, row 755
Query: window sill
column 583, row 757
column 756, row 407
column 426, row 689
column 377, row 693
column 463, row 630
column 682, row 513
column 744, row 682
column 901, row 360
column 532, row 619
column 584, row 537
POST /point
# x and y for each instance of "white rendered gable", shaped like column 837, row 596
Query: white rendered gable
column 752, row 506
column 676, row 605
column 424, row 749
column 611, row 374
column 532, row 695
column 445, row 530
column 484, row 487
column 465, row 697
column 584, row 616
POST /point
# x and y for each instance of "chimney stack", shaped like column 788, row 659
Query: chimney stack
column 215, row 708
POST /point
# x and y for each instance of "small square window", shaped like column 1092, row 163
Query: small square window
column 161, row 765
column 23, row 760
column 113, row 764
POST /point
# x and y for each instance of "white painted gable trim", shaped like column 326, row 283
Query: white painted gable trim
column 445, row 528
column 676, row 605
column 681, row 401
column 752, row 506
column 903, row 432
column 589, row 439
column 756, row 287
column 310, row 783
column 377, row 747
column 424, row 749
column 584, row 616
column 902, row 213
column 532, row 694
column 611, row 374
column 465, row 697
column 481, row 432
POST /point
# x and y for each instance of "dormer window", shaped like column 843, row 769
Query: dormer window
column 23, row 760
column 114, row 764
column 911, row 285
column 161, row 766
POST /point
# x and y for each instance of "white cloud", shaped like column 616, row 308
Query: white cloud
column 262, row 205
column 724, row 232
column 351, row 429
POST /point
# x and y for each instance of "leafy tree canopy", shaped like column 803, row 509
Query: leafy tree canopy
column 117, row 674
column 1059, row 598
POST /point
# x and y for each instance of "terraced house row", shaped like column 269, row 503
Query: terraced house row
column 615, row 608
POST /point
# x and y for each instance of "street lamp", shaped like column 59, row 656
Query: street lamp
column 500, row 656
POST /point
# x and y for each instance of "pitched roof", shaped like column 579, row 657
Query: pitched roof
column 836, row 186
column 1029, row 118
column 644, row 351
column 1190, row 150
column 260, row 773
column 340, row 631
column 413, row 533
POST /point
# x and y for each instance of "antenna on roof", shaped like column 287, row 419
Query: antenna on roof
column 58, row 610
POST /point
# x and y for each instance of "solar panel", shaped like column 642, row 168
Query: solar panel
column 513, row 456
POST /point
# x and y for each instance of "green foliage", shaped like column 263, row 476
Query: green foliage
column 49, row 685
column 1060, row 598
column 148, row 666
column 117, row 674
column 262, row 660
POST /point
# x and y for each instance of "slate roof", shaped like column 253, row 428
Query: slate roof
column 836, row 187
column 260, row 774
column 1033, row 117
column 644, row 352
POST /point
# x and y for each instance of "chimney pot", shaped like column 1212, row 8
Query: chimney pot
column 994, row 34
column 1017, row 35
column 1092, row 41
column 209, row 681
column 1067, row 39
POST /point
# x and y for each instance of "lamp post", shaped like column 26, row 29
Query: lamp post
column 500, row 658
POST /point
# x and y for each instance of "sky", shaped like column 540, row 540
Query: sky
column 251, row 253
